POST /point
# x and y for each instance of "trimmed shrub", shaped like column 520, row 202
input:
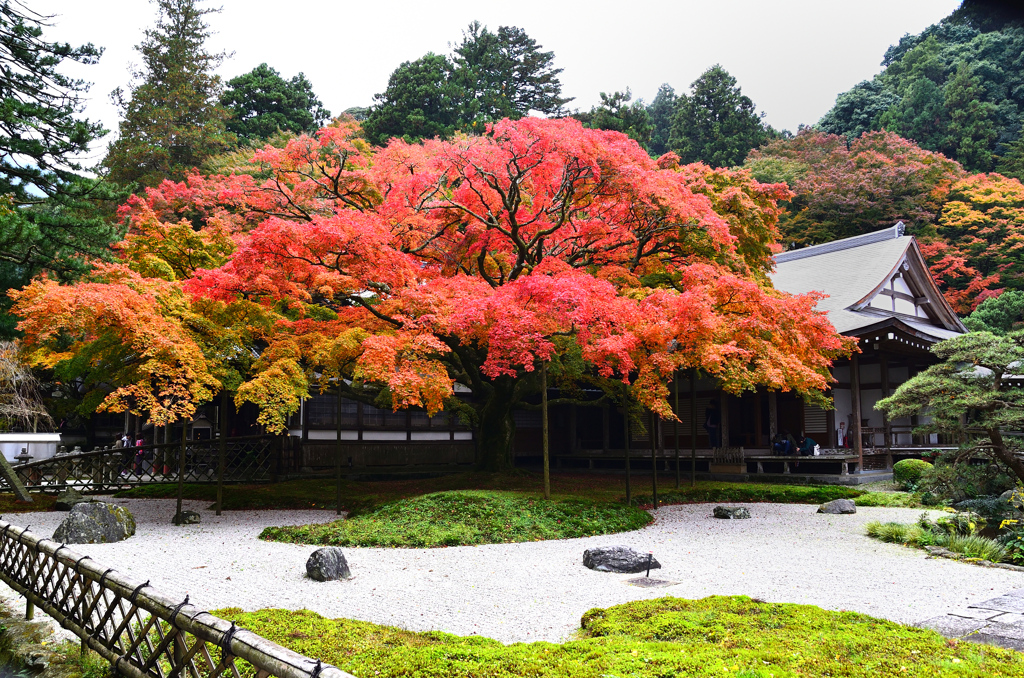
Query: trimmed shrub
column 907, row 473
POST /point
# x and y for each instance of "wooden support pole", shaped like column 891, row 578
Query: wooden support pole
column 723, row 420
column 544, row 428
column 676, row 425
column 337, row 456
column 181, row 472
column 773, row 416
column 693, row 427
column 625, row 427
column 30, row 610
column 222, row 453
column 858, row 435
column 653, row 435
column 886, row 424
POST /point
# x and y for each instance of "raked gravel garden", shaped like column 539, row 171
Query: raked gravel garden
column 539, row 590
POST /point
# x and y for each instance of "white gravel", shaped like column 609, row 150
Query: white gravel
column 539, row 590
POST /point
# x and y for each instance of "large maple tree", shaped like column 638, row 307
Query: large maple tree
column 395, row 273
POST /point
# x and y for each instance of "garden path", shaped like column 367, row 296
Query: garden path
column 539, row 590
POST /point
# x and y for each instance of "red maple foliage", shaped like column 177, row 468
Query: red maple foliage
column 396, row 273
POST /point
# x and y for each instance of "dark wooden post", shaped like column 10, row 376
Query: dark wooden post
column 723, row 419
column 886, row 424
column 676, row 425
column 653, row 435
column 693, row 427
column 773, row 416
column 625, row 426
column 222, row 457
column 544, row 428
column 337, row 455
column 858, row 435
column 181, row 471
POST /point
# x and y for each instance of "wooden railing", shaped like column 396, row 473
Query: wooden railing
column 250, row 459
column 142, row 633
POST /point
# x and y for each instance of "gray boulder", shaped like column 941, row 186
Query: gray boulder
column 618, row 559
column 837, row 506
column 731, row 512
column 95, row 522
column 328, row 564
column 187, row 518
column 68, row 499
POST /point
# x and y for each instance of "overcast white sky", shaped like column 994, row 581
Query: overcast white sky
column 792, row 57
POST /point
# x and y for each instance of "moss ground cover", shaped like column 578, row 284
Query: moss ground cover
column 715, row 636
column 364, row 496
column 466, row 517
column 40, row 502
column 890, row 499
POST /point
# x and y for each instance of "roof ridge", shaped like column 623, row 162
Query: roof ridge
column 891, row 233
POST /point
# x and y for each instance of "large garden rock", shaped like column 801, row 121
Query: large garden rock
column 838, row 506
column 328, row 564
column 618, row 559
column 67, row 499
column 731, row 512
column 95, row 522
column 187, row 518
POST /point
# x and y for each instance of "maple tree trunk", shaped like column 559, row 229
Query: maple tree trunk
column 497, row 428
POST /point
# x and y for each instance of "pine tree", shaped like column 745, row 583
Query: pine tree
column 262, row 102
column 660, row 113
column 716, row 123
column 172, row 118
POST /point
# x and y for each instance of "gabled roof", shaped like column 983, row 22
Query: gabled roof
column 853, row 271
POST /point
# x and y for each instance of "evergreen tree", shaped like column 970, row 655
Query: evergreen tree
column 40, row 132
column 507, row 73
column 716, row 123
column 261, row 102
column 971, row 131
column 660, row 113
column 491, row 75
column 422, row 100
column 172, row 118
column 51, row 219
column 616, row 113
column 999, row 315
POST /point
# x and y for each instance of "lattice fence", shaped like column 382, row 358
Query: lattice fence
column 139, row 631
column 251, row 459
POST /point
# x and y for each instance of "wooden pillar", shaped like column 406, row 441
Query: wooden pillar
column 773, row 416
column 652, row 433
column 886, row 424
column 337, row 454
column 572, row 429
column 544, row 428
column 625, row 426
column 605, row 434
column 693, row 427
column 222, row 454
column 858, row 437
column 723, row 419
column 675, row 387
column 758, row 424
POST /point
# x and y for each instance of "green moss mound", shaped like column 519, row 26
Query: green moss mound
column 890, row 499
column 907, row 473
column 715, row 636
column 753, row 492
column 465, row 518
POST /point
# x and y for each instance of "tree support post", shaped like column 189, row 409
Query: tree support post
column 222, row 453
column 653, row 433
column 544, row 428
column 625, row 426
column 181, row 471
column 676, row 426
column 337, row 455
column 693, row 427
column 858, row 430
